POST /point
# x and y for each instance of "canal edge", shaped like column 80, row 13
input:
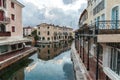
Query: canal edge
column 16, row 58
column 79, row 69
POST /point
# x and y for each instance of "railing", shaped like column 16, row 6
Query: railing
column 108, row 27
column 103, row 27
column 2, row 34
column 5, row 20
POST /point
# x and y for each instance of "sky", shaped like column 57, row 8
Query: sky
column 58, row 12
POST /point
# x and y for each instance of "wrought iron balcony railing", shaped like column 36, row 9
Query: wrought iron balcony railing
column 102, row 27
column 108, row 27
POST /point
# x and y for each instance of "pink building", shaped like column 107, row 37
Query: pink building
column 11, row 18
column 12, row 43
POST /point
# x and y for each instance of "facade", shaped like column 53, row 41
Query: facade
column 27, row 31
column 11, row 18
column 99, row 39
column 52, row 33
column 12, row 43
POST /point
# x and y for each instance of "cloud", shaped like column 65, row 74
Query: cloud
column 67, row 1
column 59, row 12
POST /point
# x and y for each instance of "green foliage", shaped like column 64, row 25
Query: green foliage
column 34, row 34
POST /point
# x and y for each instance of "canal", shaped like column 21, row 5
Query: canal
column 50, row 62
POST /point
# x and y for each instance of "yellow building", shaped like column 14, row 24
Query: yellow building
column 51, row 33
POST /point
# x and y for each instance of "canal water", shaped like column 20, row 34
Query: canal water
column 50, row 62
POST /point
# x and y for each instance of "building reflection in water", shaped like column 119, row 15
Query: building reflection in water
column 15, row 71
column 49, row 51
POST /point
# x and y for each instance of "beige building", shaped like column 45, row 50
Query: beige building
column 99, row 36
column 27, row 31
column 52, row 33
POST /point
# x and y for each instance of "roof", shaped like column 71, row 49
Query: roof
column 17, row 2
column 45, row 24
column 29, row 27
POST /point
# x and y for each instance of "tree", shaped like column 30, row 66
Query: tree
column 34, row 34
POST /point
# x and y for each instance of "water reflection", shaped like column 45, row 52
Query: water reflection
column 35, row 67
column 15, row 71
column 49, row 51
column 69, row 74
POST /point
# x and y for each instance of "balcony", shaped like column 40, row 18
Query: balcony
column 108, row 31
column 5, row 20
column 5, row 34
column 109, row 27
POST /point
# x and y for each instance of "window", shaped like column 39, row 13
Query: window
column 39, row 38
column 13, row 47
column 48, row 27
column 39, row 46
column 48, row 33
column 48, row 51
column 39, row 50
column 20, row 45
column 115, row 17
column 12, row 5
column 59, row 37
column 115, row 61
column 3, row 48
column 39, row 33
column 99, row 7
column 2, row 3
column 12, row 16
column 43, row 38
column 13, row 28
column 48, row 38
column 48, row 46
column 43, row 46
column 103, row 17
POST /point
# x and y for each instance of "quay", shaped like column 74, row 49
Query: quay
column 10, row 58
column 79, row 68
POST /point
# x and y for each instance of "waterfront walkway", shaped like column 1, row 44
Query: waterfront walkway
column 79, row 68
column 12, row 54
column 8, row 59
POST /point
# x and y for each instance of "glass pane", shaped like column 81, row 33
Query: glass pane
column 118, row 63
